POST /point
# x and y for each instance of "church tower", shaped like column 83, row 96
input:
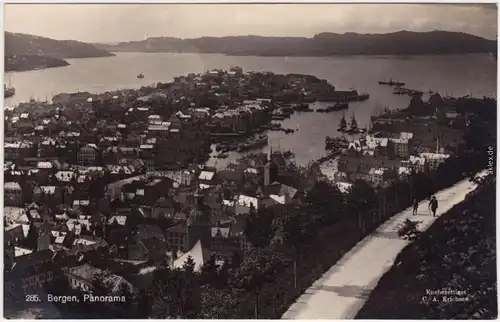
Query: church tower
column 267, row 169
column 199, row 226
column 270, row 169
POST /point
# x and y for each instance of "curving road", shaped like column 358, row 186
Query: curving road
column 344, row 288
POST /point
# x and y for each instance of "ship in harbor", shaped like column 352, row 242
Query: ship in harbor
column 343, row 124
column 353, row 127
column 407, row 91
column 362, row 97
column 338, row 106
column 253, row 143
column 392, row 82
column 8, row 91
column 333, row 108
column 140, row 76
column 351, row 95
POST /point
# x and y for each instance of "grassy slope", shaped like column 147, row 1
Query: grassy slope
column 457, row 252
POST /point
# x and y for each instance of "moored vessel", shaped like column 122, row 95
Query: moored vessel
column 392, row 82
column 353, row 128
column 343, row 124
column 8, row 91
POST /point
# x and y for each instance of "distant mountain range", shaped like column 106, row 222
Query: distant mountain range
column 323, row 44
column 26, row 52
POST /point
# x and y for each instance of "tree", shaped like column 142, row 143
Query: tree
column 189, row 266
column 143, row 304
column 259, row 268
column 362, row 200
column 297, row 230
column 128, row 307
column 208, row 274
column 31, row 240
column 217, row 303
column 223, row 273
column 258, row 228
column 409, row 229
column 326, row 202
column 188, row 283
column 164, row 295
column 235, row 260
column 99, row 283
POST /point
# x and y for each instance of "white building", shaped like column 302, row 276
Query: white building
column 434, row 159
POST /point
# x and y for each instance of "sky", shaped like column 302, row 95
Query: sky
column 126, row 22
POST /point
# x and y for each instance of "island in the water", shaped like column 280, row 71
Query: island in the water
column 28, row 52
column 323, row 44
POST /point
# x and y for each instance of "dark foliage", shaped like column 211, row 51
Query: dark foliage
column 457, row 253
column 258, row 227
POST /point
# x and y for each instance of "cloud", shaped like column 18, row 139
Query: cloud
column 124, row 22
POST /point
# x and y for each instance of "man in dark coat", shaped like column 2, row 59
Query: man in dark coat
column 433, row 205
column 415, row 206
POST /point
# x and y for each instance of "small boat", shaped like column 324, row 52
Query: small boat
column 340, row 106
column 362, row 97
column 8, row 91
column 140, row 76
column 332, row 108
column 254, row 144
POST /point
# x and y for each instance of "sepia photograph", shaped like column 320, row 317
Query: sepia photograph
column 250, row 161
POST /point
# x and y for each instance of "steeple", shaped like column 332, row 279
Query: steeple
column 199, row 223
column 198, row 197
column 267, row 168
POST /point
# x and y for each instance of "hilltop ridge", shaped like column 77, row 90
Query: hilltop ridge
column 322, row 44
column 27, row 52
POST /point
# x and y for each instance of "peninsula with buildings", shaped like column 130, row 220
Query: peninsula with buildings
column 109, row 195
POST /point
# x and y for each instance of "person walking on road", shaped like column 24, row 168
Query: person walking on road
column 433, row 205
column 415, row 206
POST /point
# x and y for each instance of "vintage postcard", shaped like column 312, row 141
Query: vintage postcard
column 250, row 161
